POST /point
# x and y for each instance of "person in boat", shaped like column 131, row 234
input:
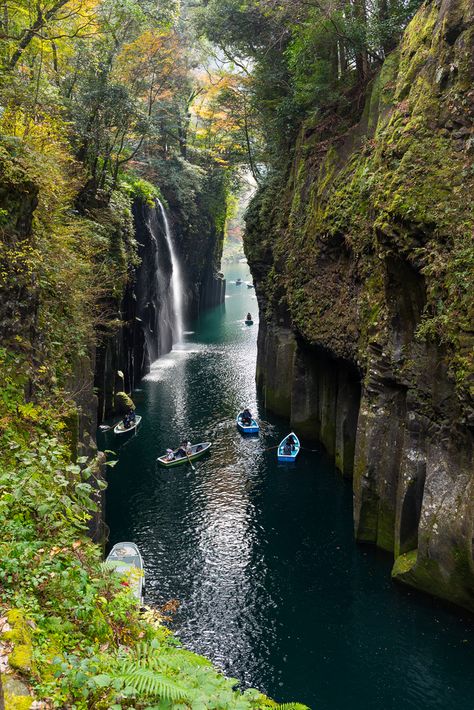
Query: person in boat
column 132, row 416
column 169, row 455
column 249, row 316
column 126, row 421
column 291, row 441
column 246, row 416
column 185, row 449
column 287, row 448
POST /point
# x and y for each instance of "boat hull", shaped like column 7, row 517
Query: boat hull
column 288, row 458
column 120, row 429
column 205, row 446
column 249, row 322
column 125, row 559
column 252, row 428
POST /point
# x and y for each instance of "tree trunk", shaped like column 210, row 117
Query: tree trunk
column 37, row 25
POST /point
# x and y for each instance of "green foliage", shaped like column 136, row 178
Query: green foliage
column 77, row 632
column 139, row 189
column 305, row 58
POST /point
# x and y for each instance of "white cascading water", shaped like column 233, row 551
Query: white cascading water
column 176, row 280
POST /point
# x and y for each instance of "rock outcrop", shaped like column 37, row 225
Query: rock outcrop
column 362, row 255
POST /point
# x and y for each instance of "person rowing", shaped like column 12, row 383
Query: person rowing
column 246, row 416
column 185, row 449
column 249, row 316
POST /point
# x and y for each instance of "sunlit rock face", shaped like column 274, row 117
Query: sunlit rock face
column 362, row 257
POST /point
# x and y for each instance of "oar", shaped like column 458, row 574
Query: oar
column 187, row 456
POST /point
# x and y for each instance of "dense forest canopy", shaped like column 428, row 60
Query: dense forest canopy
column 306, row 56
column 136, row 80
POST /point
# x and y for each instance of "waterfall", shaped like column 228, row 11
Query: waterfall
column 176, row 280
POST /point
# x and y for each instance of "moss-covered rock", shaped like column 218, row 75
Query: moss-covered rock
column 123, row 403
column 362, row 249
column 21, row 658
column 16, row 694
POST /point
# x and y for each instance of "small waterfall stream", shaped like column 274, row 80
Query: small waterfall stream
column 176, row 280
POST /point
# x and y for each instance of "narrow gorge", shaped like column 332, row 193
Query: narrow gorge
column 332, row 142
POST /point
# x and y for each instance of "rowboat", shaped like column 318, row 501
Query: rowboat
column 250, row 286
column 251, row 428
column 197, row 450
column 249, row 322
column 238, row 282
column 295, row 449
column 121, row 429
column 125, row 560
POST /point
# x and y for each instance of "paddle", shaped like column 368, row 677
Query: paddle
column 187, row 456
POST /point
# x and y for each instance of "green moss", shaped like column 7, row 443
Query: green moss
column 17, row 702
column 21, row 658
column 123, row 403
column 404, row 563
column 385, row 527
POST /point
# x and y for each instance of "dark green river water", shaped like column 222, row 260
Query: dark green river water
column 261, row 556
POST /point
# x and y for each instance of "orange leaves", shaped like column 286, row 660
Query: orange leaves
column 152, row 65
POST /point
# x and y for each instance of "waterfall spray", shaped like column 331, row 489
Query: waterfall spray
column 176, row 280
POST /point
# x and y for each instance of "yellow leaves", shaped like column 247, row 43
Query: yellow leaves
column 152, row 64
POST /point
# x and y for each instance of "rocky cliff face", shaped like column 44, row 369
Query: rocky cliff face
column 362, row 256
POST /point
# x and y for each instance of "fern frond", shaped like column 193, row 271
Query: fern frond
column 148, row 682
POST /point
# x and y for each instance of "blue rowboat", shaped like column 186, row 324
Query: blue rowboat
column 289, row 455
column 251, row 428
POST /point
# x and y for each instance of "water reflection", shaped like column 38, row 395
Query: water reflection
column 262, row 557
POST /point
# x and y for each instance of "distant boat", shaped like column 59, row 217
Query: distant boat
column 120, row 428
column 198, row 450
column 238, row 282
column 250, row 286
column 251, row 428
column 295, row 449
column 125, row 559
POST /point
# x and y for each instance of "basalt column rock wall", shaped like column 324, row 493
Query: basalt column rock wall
column 144, row 316
column 362, row 256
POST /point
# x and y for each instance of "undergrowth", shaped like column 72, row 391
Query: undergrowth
column 90, row 645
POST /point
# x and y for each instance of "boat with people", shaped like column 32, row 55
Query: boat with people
column 184, row 455
column 125, row 560
column 126, row 425
column 246, row 423
column 289, row 448
column 249, row 319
